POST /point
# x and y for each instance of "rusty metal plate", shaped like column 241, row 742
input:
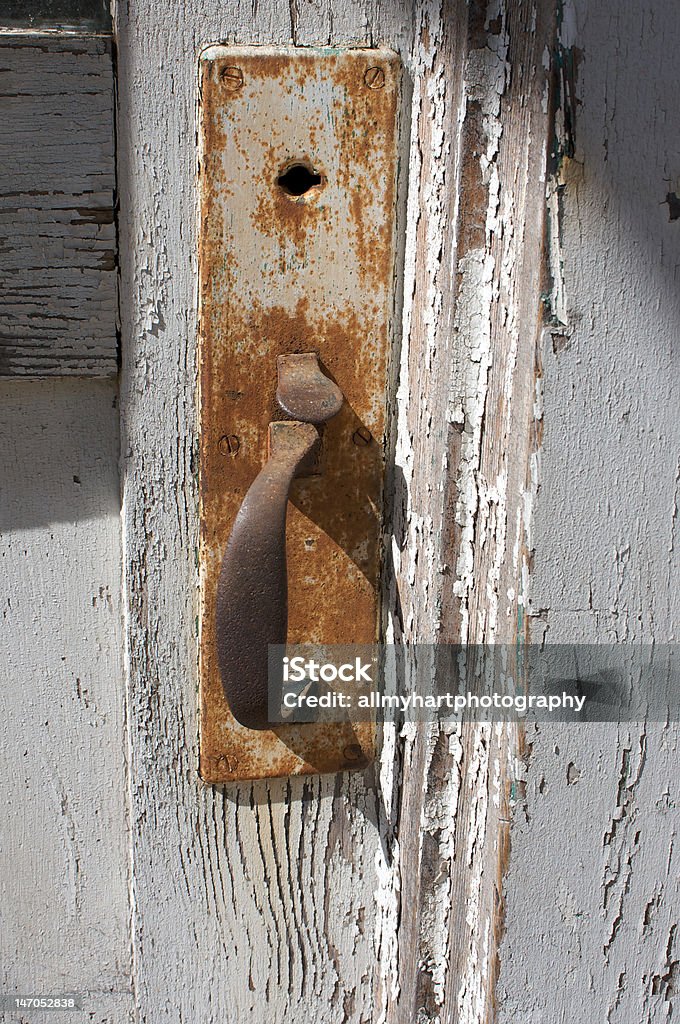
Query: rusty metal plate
column 298, row 197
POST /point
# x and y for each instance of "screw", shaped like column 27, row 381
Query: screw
column 229, row 444
column 374, row 78
column 362, row 436
column 353, row 752
column 232, row 78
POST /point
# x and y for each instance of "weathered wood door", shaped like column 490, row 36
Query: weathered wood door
column 474, row 873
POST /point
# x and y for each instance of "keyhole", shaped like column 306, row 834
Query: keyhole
column 298, row 179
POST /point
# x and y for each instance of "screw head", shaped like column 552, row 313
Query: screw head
column 229, row 444
column 362, row 436
column 353, row 752
column 231, row 77
column 375, row 78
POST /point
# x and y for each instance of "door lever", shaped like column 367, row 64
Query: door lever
column 252, row 592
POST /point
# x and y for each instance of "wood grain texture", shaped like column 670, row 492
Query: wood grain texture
column 58, row 304
column 332, row 898
column 64, row 907
column 472, row 319
column 379, row 897
column 592, row 893
column 253, row 901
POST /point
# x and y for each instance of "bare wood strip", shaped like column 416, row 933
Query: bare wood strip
column 58, row 305
column 481, row 121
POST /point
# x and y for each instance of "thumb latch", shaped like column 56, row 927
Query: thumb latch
column 252, row 594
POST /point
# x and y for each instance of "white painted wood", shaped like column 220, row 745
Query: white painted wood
column 465, row 448
column 57, row 232
column 593, row 888
column 64, row 907
column 375, row 897
column 303, row 900
column 256, row 901
column 378, row 898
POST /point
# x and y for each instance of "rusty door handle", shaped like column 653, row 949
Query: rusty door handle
column 252, row 592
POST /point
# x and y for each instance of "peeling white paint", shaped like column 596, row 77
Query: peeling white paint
column 593, row 881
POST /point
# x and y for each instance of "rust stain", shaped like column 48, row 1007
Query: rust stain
column 282, row 274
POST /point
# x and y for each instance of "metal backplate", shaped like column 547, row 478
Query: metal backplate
column 282, row 272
